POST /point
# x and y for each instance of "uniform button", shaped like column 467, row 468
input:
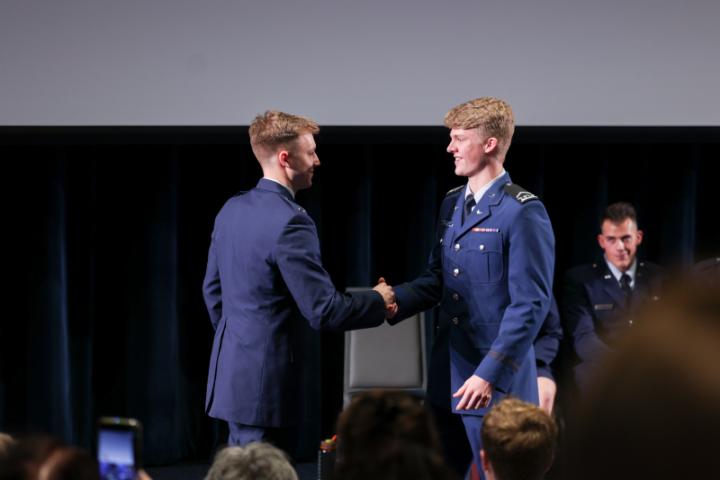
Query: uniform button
column 456, row 272
column 455, row 320
column 456, row 247
column 455, row 297
column 441, row 240
column 481, row 247
column 630, row 322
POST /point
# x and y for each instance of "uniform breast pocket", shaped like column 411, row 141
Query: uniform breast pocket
column 485, row 257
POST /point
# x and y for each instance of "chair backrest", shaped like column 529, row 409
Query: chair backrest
column 386, row 357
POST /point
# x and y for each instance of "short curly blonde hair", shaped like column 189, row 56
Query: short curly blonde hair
column 492, row 115
column 273, row 128
column 519, row 439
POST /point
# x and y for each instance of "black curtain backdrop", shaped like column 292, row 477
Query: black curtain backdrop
column 106, row 233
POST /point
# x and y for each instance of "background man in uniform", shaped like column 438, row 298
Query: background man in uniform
column 599, row 298
column 491, row 269
column 264, row 276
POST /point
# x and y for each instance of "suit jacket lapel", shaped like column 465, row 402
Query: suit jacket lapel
column 642, row 290
column 611, row 286
column 456, row 219
column 484, row 209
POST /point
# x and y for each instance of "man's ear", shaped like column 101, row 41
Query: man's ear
column 639, row 237
column 282, row 157
column 601, row 241
column 490, row 145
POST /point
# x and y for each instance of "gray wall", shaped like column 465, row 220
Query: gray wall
column 357, row 62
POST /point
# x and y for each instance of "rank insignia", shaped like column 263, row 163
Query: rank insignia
column 485, row 230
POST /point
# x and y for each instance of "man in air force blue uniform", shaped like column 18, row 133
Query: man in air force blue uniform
column 599, row 299
column 456, row 448
column 491, row 269
column 264, row 277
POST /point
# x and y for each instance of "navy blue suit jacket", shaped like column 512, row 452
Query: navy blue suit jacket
column 597, row 313
column 492, row 277
column 264, row 276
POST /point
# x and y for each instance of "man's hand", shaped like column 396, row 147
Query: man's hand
column 546, row 392
column 386, row 291
column 391, row 307
column 391, row 311
column 475, row 392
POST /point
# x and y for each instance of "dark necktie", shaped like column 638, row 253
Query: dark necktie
column 625, row 284
column 469, row 204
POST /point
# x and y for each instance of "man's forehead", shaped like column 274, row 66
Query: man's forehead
column 615, row 228
column 307, row 140
column 464, row 131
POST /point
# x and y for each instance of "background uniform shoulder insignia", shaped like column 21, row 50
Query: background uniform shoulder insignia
column 519, row 193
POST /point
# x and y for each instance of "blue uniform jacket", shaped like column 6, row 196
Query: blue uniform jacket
column 596, row 312
column 546, row 346
column 264, row 276
column 492, row 278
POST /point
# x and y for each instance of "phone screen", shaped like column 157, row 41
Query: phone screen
column 116, row 454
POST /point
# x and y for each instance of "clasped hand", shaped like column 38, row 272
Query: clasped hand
column 388, row 295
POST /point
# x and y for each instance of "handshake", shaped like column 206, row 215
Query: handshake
column 388, row 294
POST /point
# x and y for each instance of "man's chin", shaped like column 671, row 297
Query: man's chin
column 622, row 265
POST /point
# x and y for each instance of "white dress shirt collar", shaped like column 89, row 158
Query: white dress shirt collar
column 479, row 194
column 617, row 273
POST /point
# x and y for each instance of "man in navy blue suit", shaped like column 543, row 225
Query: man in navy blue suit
column 599, row 299
column 264, row 277
column 491, row 269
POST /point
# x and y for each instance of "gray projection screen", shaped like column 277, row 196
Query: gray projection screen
column 354, row 62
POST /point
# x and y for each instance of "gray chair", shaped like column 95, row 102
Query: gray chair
column 386, row 357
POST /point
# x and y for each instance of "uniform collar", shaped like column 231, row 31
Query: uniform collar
column 273, row 185
column 631, row 272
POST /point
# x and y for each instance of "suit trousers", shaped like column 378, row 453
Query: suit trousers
column 283, row 438
column 473, row 424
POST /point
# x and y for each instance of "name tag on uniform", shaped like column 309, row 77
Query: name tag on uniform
column 485, row 230
column 603, row 306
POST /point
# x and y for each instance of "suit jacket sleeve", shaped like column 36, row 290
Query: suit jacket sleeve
column 297, row 255
column 531, row 259
column 212, row 292
column 547, row 342
column 425, row 291
column 579, row 321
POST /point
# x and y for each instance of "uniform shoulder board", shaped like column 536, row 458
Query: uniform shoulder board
column 519, row 193
column 455, row 190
